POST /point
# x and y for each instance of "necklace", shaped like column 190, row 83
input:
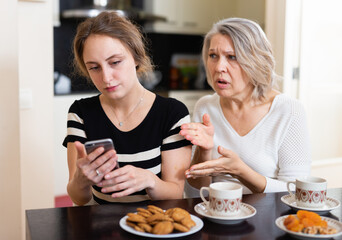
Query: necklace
column 121, row 123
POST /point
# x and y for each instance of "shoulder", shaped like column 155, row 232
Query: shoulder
column 289, row 105
column 208, row 99
column 207, row 102
column 84, row 103
column 170, row 104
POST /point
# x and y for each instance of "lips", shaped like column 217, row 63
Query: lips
column 111, row 88
column 221, row 83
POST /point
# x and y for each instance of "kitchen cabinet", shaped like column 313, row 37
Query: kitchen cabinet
column 198, row 16
column 183, row 16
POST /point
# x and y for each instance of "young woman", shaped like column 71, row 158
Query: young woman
column 144, row 127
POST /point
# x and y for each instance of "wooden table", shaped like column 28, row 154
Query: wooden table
column 102, row 221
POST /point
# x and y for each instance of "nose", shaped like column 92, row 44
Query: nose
column 221, row 65
column 106, row 75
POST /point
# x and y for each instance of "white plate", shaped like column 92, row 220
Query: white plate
column 330, row 204
column 331, row 223
column 198, row 221
column 247, row 211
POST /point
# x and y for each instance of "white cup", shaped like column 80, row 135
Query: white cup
column 224, row 198
column 311, row 192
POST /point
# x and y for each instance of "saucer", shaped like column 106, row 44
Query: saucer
column 330, row 204
column 247, row 211
column 331, row 223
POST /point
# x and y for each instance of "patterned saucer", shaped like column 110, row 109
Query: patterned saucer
column 330, row 204
column 247, row 211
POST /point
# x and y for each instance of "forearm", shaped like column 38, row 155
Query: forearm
column 161, row 189
column 80, row 196
column 252, row 179
column 199, row 157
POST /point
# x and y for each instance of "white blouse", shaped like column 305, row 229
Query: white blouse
column 278, row 147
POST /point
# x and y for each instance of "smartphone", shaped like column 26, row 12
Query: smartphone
column 106, row 143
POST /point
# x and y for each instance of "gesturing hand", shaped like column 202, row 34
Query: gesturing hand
column 200, row 134
column 228, row 163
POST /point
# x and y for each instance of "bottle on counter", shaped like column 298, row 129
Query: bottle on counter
column 174, row 78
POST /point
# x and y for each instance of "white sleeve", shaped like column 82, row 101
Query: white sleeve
column 294, row 155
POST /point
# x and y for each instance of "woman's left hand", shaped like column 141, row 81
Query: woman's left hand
column 228, row 163
column 127, row 180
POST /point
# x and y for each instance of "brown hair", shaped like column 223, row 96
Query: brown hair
column 113, row 25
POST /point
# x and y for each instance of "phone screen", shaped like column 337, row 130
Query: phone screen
column 106, row 143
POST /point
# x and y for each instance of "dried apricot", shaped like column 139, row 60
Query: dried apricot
column 289, row 219
column 307, row 214
column 307, row 222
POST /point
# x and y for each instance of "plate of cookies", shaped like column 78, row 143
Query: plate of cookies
column 155, row 222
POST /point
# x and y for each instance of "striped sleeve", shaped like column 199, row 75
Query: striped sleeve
column 173, row 139
column 75, row 126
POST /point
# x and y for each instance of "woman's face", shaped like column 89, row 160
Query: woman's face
column 225, row 73
column 110, row 65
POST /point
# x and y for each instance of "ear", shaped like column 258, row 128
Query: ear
column 136, row 67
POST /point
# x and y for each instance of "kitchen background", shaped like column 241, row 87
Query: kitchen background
column 174, row 31
column 33, row 166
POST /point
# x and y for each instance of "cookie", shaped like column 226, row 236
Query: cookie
column 161, row 228
column 146, row 227
column 154, row 209
column 179, row 227
column 132, row 217
column 188, row 222
column 178, row 214
column 158, row 217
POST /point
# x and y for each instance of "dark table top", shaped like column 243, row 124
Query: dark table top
column 102, row 221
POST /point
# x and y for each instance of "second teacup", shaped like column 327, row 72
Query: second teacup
column 224, row 198
column 311, row 192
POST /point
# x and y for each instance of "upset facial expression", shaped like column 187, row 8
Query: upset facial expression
column 227, row 77
column 110, row 65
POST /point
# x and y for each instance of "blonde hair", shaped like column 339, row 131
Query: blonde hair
column 113, row 25
column 253, row 52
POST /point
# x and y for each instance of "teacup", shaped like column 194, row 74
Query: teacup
column 311, row 192
column 224, row 198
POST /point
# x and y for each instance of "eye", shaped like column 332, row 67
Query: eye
column 115, row 62
column 212, row 55
column 232, row 57
column 94, row 68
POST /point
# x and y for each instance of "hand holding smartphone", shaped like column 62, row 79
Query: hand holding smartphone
column 106, row 143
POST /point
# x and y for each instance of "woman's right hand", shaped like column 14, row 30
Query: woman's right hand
column 200, row 134
column 86, row 174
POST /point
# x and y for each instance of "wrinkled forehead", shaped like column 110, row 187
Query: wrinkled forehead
column 222, row 43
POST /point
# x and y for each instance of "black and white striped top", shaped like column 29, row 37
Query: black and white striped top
column 140, row 147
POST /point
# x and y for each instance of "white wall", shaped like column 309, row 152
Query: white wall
column 26, row 168
column 330, row 169
column 10, row 200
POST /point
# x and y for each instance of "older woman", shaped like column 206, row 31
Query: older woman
column 247, row 131
column 144, row 127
